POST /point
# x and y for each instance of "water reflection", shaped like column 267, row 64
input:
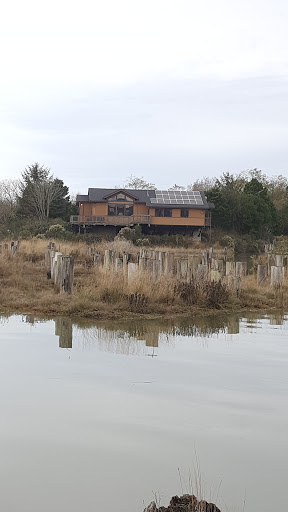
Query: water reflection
column 131, row 337
column 64, row 329
column 112, row 415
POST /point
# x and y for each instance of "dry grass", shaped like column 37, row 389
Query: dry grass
column 263, row 296
column 97, row 293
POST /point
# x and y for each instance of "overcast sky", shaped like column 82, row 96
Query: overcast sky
column 168, row 90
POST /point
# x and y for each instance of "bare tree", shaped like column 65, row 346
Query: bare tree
column 176, row 187
column 39, row 196
column 202, row 184
column 9, row 190
column 133, row 182
column 39, row 189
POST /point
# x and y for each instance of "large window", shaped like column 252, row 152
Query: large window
column 117, row 209
column 184, row 212
column 163, row 212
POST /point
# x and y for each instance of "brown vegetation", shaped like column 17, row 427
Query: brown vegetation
column 98, row 293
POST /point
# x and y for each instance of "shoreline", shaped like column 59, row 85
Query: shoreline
column 133, row 316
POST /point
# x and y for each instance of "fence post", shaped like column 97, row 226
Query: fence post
column 277, row 275
column 262, row 272
column 66, row 274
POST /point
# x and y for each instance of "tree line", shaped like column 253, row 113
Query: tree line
column 249, row 202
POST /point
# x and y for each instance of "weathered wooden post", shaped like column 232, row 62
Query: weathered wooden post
column 277, row 275
column 161, row 257
column 279, row 260
column 205, row 257
column 193, row 261
column 97, row 258
column 202, row 272
column 132, row 272
column 66, row 274
column 55, row 257
column 90, row 251
column 234, row 284
column 143, row 260
column 13, row 247
column 262, row 273
column 118, row 265
column 57, row 271
column 49, row 255
column 241, row 268
column 271, row 262
column 182, row 270
column 156, row 268
column 230, row 268
column 218, row 265
column 109, row 258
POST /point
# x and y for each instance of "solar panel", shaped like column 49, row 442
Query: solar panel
column 177, row 197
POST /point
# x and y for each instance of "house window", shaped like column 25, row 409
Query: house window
column 163, row 212
column 184, row 212
column 120, row 197
column 124, row 210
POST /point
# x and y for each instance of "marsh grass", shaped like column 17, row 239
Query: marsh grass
column 97, row 292
column 263, row 296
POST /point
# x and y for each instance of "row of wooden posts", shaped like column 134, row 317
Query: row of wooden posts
column 203, row 266
column 60, row 268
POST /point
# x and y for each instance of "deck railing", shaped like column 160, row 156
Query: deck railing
column 109, row 220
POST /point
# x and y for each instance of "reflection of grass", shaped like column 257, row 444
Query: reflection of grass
column 99, row 293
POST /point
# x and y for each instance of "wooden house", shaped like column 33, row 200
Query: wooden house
column 156, row 211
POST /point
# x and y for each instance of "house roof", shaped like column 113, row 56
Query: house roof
column 153, row 198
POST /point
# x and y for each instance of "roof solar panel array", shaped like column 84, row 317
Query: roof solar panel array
column 177, row 197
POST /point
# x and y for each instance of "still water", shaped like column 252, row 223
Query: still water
column 98, row 417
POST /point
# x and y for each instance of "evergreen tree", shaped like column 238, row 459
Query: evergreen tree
column 42, row 195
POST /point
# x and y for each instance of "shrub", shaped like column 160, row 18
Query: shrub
column 55, row 231
column 210, row 293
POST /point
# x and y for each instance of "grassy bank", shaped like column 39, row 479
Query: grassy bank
column 24, row 288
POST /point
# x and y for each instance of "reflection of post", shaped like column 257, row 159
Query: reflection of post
column 63, row 329
column 233, row 325
column 276, row 319
column 151, row 339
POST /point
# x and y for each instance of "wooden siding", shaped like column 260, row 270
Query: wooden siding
column 141, row 209
column 100, row 209
column 196, row 217
column 85, row 209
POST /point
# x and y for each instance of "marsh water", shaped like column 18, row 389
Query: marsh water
column 104, row 416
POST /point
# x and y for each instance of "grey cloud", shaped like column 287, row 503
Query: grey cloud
column 167, row 131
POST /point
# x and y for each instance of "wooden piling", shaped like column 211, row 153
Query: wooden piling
column 262, row 273
column 277, row 276
column 241, row 268
column 66, row 274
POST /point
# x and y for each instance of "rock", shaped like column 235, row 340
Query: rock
column 185, row 503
